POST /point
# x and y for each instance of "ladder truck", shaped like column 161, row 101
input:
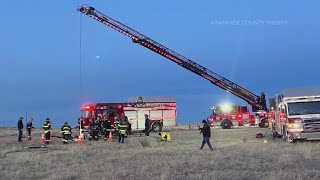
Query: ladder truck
column 258, row 104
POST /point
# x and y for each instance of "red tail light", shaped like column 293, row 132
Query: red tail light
column 295, row 120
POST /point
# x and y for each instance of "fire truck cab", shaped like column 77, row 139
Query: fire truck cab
column 296, row 114
column 227, row 116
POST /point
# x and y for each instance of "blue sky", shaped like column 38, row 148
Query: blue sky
column 40, row 64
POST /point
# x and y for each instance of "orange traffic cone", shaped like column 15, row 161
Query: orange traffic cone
column 79, row 141
column 110, row 137
column 42, row 138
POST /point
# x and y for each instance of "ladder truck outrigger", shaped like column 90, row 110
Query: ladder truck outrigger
column 258, row 104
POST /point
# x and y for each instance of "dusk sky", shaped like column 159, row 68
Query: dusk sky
column 262, row 46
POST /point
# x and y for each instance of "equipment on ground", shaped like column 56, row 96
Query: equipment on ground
column 257, row 102
column 165, row 136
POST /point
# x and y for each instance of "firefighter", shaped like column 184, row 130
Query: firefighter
column 47, row 128
column 206, row 132
column 90, row 131
column 94, row 127
column 100, row 117
column 116, row 125
column 20, row 129
column 106, row 125
column 29, row 127
column 147, row 125
column 66, row 133
column 123, row 126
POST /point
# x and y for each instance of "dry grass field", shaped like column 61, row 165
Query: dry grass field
column 178, row 159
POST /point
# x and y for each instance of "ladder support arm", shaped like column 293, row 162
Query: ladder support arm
column 182, row 61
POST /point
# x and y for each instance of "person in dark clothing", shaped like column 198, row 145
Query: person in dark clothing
column 20, row 128
column 47, row 129
column 100, row 129
column 94, row 129
column 129, row 126
column 206, row 132
column 106, row 125
column 29, row 127
column 147, row 125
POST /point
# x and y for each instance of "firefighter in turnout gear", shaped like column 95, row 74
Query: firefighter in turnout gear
column 123, row 126
column 66, row 133
column 116, row 125
column 94, row 130
column 106, row 125
column 47, row 128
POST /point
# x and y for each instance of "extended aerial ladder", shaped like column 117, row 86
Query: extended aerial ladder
column 249, row 97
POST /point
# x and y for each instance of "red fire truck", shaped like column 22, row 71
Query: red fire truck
column 161, row 110
column 296, row 114
column 227, row 116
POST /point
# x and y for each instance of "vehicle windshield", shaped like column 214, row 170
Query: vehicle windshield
column 302, row 108
column 85, row 114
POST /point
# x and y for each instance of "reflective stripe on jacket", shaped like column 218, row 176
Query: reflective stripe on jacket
column 47, row 127
column 123, row 126
column 66, row 129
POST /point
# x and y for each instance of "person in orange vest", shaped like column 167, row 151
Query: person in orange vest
column 66, row 133
column 47, row 128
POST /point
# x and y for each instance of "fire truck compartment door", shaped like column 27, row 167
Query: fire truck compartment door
column 169, row 117
column 141, row 118
column 132, row 118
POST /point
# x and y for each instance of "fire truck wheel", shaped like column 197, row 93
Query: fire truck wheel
column 288, row 137
column 156, row 127
column 226, row 124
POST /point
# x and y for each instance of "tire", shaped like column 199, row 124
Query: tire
column 226, row 124
column 156, row 127
column 289, row 138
